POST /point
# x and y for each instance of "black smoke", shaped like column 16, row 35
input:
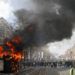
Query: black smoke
column 42, row 28
column 68, row 4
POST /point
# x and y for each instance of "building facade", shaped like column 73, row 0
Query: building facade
column 5, row 30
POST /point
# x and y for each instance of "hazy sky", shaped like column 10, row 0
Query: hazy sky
column 6, row 8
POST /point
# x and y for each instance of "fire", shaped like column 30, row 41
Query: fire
column 17, row 56
column 8, row 44
column 17, row 39
column 1, row 48
column 1, row 55
column 11, row 50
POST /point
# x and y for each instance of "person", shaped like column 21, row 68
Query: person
column 72, row 71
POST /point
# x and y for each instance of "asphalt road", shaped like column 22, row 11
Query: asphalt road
column 46, row 71
column 43, row 71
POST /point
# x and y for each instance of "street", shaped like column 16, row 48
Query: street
column 42, row 71
column 46, row 71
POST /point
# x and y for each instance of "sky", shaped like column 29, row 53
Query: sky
column 6, row 10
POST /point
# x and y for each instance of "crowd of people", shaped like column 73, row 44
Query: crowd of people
column 66, row 64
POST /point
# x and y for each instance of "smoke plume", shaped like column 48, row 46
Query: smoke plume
column 42, row 28
column 45, row 21
column 68, row 4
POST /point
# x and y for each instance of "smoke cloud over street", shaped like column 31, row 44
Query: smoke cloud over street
column 43, row 22
column 44, row 27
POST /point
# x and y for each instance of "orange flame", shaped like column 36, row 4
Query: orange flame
column 8, row 44
column 17, row 39
column 17, row 56
column 1, row 48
